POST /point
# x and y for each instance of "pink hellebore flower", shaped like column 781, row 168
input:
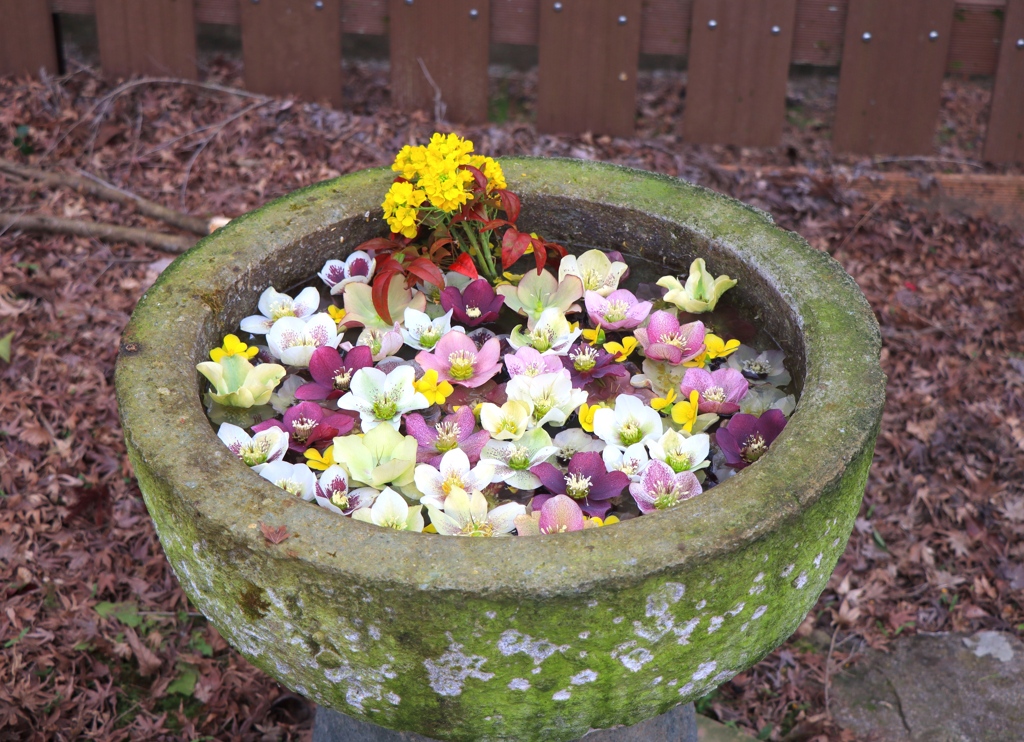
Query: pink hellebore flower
column 332, row 372
column 664, row 339
column 457, row 360
column 560, row 514
column 660, row 488
column 356, row 268
column 530, row 362
column 308, row 426
column 720, row 391
column 621, row 310
column 474, row 305
column 454, row 431
column 747, row 438
column 587, row 481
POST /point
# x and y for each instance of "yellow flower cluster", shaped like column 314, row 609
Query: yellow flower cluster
column 402, row 206
column 491, row 170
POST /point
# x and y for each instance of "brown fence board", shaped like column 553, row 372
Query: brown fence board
column 27, row 42
column 739, row 64
column 293, row 47
column 977, row 28
column 890, row 81
column 155, row 37
column 666, row 27
column 588, row 63
column 818, row 37
column 459, row 70
column 1005, row 139
column 514, row 21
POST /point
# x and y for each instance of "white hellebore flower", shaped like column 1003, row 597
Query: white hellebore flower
column 466, row 515
column 390, row 510
column 382, row 398
column 594, row 269
column 454, row 472
column 421, row 332
column 274, row 305
column 573, row 441
column 680, row 451
column 356, row 268
column 512, row 459
column 298, row 479
column 630, row 422
column 507, row 422
column 293, row 340
column 332, row 492
column 552, row 333
column 630, row 462
column 551, row 397
column 256, row 451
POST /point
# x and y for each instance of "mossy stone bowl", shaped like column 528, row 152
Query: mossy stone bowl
column 509, row 639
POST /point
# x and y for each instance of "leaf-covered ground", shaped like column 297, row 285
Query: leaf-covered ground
column 98, row 640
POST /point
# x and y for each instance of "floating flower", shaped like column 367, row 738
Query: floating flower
column 390, row 510
column 681, row 452
column 466, row 515
column 356, row 268
column 402, row 208
column 631, row 421
column 232, row 346
column 760, row 399
column 586, row 415
column 457, row 360
column 308, row 425
column 319, row 461
column 382, row 343
column 265, row 447
column 551, row 398
column 664, row 339
column 747, row 438
column 595, row 336
column 337, row 314
column 684, row 414
column 332, row 372
column 428, row 386
column 457, row 430
column 621, row 310
column 383, row 398
column 296, row 479
column 332, row 493
column 530, row 362
column 474, row 305
column 273, row 305
column 453, row 473
column 594, row 270
column 560, row 514
column 573, row 441
column 720, row 391
column 630, row 462
column 538, row 292
column 716, row 347
column 764, row 367
column 512, row 460
column 587, row 481
column 623, row 350
column 585, row 364
column 237, row 383
column 552, row 333
column 421, row 332
column 284, row 396
column 359, row 309
column 701, row 292
column 661, row 404
column 293, row 340
column 508, row 422
column 660, row 488
column 382, row 456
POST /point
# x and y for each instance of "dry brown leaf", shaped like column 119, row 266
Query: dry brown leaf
column 149, row 663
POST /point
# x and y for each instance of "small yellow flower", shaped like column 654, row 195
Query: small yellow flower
column 697, row 361
column 623, row 350
column 716, row 347
column 684, row 414
column 610, row 520
column 429, row 388
column 429, row 528
column 232, row 346
column 319, row 461
column 410, row 162
column 402, row 208
column 337, row 313
column 661, row 403
column 491, row 170
column 445, row 184
column 595, row 337
column 587, row 415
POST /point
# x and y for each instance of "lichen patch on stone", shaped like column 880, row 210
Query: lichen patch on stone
column 581, row 678
column 512, row 642
column 451, row 670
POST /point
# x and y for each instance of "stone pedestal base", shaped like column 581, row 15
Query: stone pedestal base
column 677, row 725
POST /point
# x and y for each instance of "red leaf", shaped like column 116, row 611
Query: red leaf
column 540, row 254
column 380, row 245
column 513, row 246
column 465, row 265
column 479, row 177
column 426, row 271
column 494, row 224
column 379, row 294
column 510, row 204
column 555, row 254
column 274, row 535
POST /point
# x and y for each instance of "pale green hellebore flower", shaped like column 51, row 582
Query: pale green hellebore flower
column 238, row 383
column 390, row 510
column 381, row 457
column 595, row 270
column 466, row 514
column 535, row 293
column 701, row 292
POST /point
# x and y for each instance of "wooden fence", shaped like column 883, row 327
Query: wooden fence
column 892, row 56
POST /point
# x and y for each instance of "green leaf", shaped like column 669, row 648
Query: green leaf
column 5, row 346
column 200, row 644
column 879, row 540
column 766, row 732
column 126, row 613
column 184, row 684
column 11, row 642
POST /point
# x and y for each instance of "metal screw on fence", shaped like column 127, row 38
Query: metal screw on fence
column 933, row 36
column 865, row 37
column 319, row 4
column 474, row 13
column 558, row 7
column 776, row 30
column 408, row 2
column 1020, row 43
column 622, row 20
column 712, row 23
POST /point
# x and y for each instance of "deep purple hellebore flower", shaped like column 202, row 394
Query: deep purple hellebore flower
column 477, row 304
column 332, row 372
column 454, row 431
column 720, row 391
column 586, row 363
column 747, row 438
column 588, row 482
column 664, row 339
column 308, row 425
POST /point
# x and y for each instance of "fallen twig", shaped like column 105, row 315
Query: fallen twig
column 96, row 187
column 171, row 243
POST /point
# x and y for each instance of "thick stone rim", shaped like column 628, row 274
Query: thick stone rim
column 163, row 419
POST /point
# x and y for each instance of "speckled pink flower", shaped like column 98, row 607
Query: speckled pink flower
column 720, row 391
column 664, row 339
column 457, row 360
